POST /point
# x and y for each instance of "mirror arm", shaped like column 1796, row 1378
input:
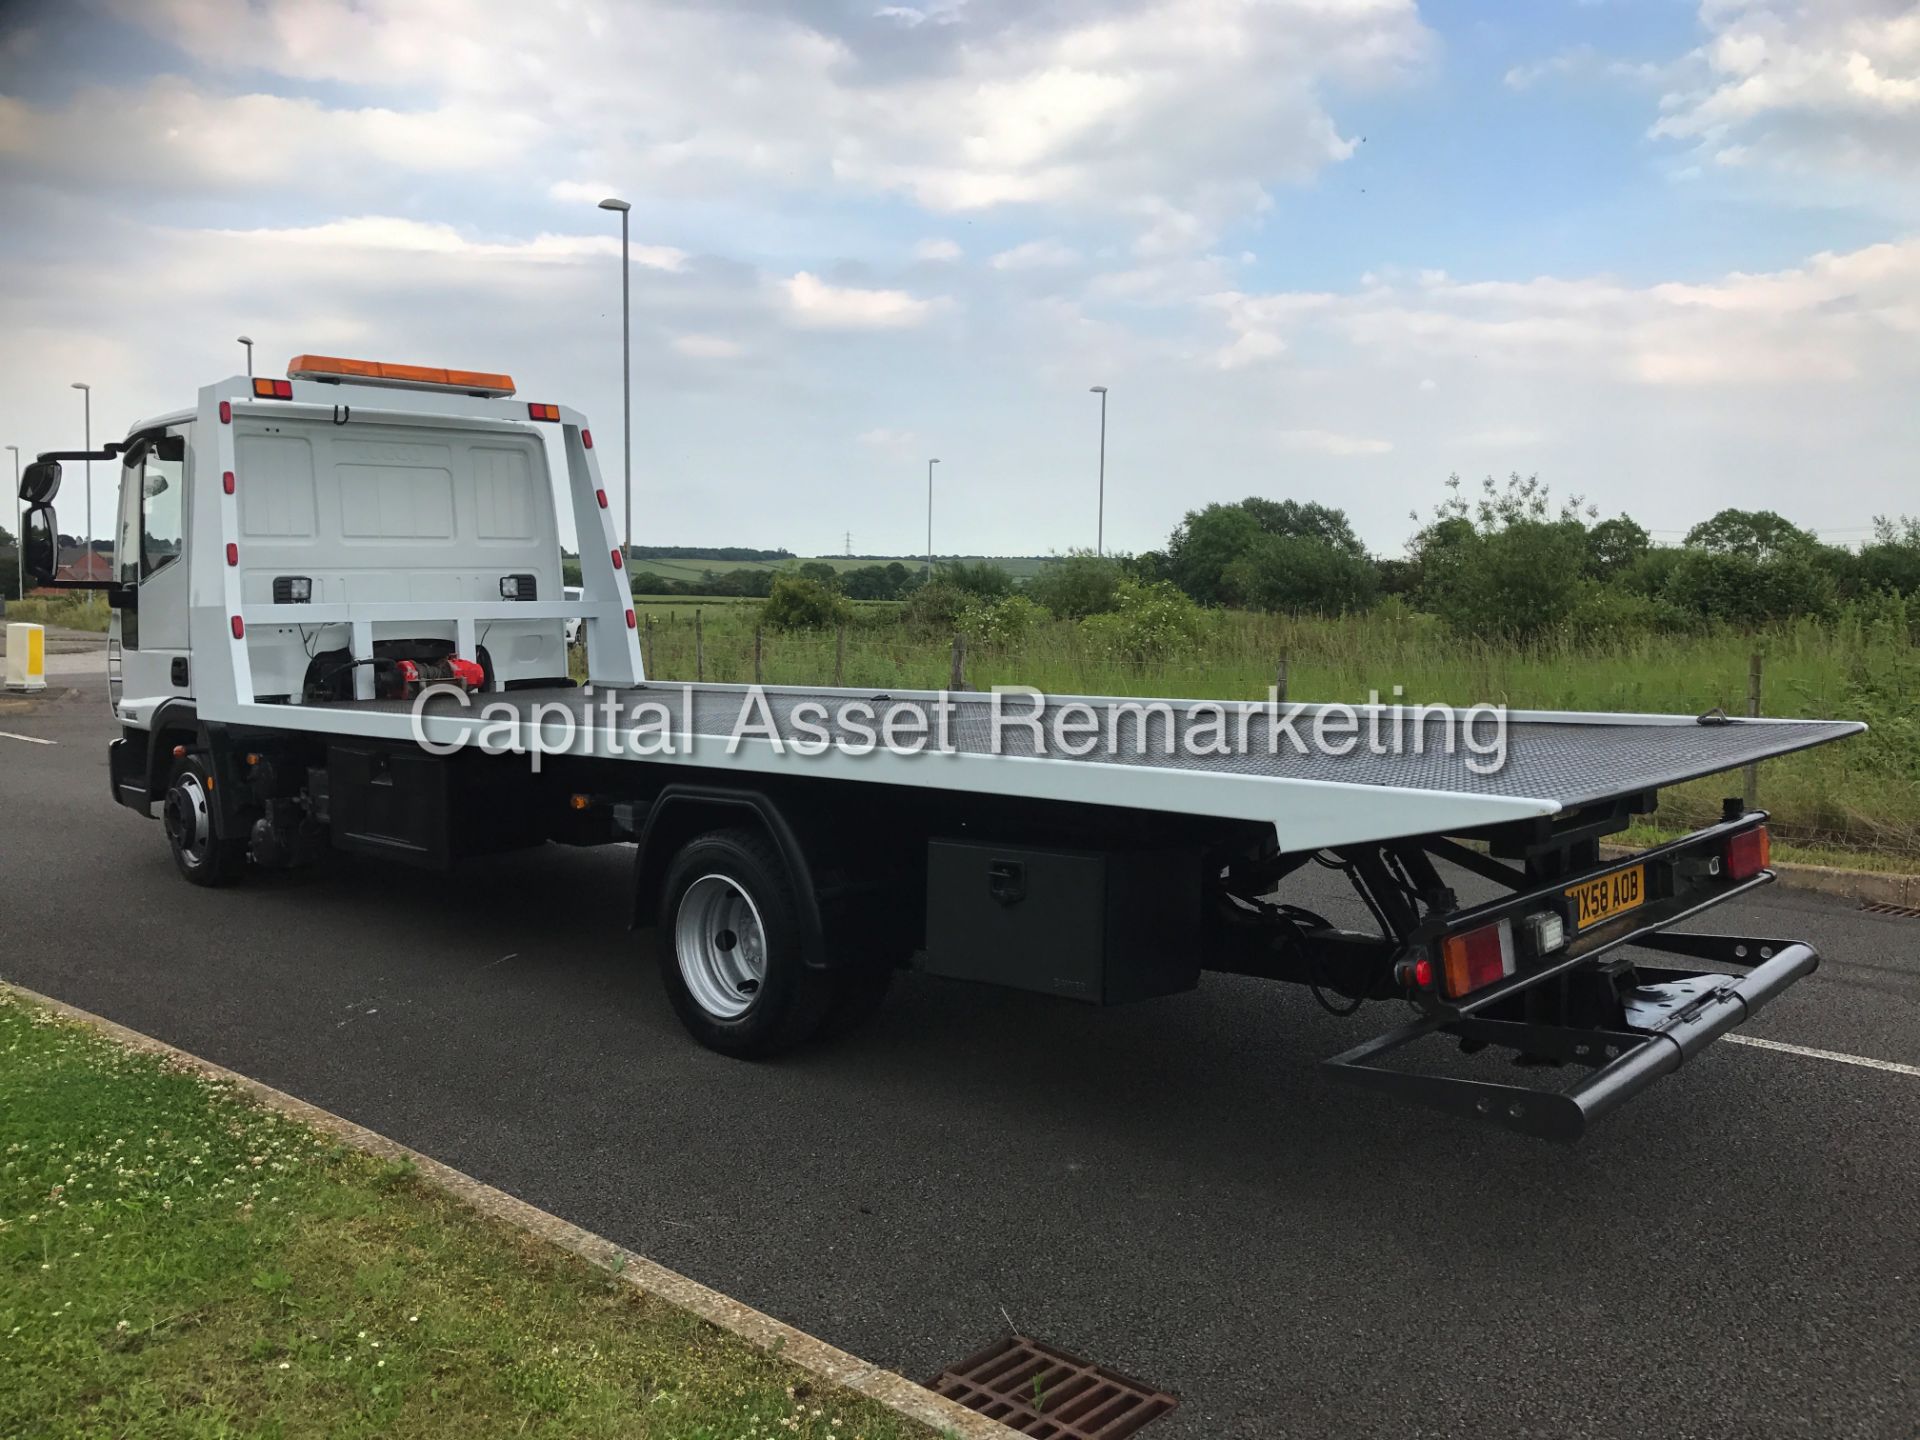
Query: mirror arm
column 106, row 452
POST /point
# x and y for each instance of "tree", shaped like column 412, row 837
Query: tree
column 1306, row 519
column 1615, row 546
column 1509, row 564
column 1078, row 584
column 1299, row 575
column 983, row 577
column 1757, row 534
column 1891, row 561
column 822, row 572
column 1202, row 552
column 1205, row 544
column 1742, row 589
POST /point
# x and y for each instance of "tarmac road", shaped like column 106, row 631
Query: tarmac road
column 1170, row 1189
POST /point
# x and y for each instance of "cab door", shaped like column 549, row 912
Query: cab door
column 150, row 559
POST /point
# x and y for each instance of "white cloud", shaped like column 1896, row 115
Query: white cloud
column 937, row 250
column 174, row 136
column 385, row 232
column 815, row 303
column 708, row 347
column 1328, row 442
column 1804, row 86
column 1184, row 112
column 1036, row 255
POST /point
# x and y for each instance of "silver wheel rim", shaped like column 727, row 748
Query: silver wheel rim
column 188, row 825
column 721, row 946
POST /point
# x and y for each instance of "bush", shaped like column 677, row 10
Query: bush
column 937, row 606
column 1078, row 585
column 1516, row 582
column 1740, row 589
column 1298, row 575
column 797, row 603
column 1148, row 624
column 1002, row 622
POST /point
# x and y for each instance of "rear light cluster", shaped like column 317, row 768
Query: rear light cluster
column 542, row 412
column 1478, row 958
column 273, row 389
column 1748, row 853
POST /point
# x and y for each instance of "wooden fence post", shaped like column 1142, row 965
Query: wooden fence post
column 1752, row 795
column 756, row 654
column 646, row 659
column 840, row 657
column 1280, row 680
column 699, row 650
column 958, row 679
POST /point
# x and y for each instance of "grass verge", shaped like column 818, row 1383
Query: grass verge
column 180, row 1261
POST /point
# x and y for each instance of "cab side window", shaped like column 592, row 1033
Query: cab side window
column 153, row 489
column 163, row 490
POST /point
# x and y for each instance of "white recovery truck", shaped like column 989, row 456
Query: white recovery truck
column 297, row 558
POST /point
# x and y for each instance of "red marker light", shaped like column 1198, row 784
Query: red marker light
column 233, row 553
column 226, row 482
column 239, row 628
column 1748, row 853
column 1423, row 973
column 602, row 496
column 631, row 622
column 586, row 437
column 616, row 560
column 226, row 413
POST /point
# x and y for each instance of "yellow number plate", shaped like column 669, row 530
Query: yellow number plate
column 1608, row 896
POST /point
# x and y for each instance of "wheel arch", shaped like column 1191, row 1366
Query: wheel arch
column 682, row 811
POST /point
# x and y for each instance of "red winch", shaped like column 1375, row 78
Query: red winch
column 408, row 678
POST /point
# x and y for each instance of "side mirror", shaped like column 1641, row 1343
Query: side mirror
column 40, row 539
column 40, row 482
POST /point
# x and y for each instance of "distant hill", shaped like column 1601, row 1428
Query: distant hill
column 691, row 564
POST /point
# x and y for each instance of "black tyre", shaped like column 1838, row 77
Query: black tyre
column 200, row 855
column 730, row 934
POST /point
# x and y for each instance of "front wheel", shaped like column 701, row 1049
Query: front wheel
column 733, row 970
column 199, row 853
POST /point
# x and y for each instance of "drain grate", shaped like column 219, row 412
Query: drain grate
column 1046, row 1393
column 1905, row 912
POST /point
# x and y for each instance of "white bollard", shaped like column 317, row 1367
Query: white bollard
column 26, row 657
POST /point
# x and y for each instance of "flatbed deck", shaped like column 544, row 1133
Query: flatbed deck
column 1430, row 781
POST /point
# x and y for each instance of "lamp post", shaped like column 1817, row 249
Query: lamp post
column 247, row 340
column 626, row 372
column 1100, row 520
column 86, row 392
column 930, row 465
column 19, row 524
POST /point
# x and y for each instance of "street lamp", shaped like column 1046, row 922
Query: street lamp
column 247, row 340
column 19, row 523
column 1100, row 521
column 86, row 392
column 930, row 465
column 626, row 370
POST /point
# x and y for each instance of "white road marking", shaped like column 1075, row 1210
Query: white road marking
column 1894, row 1066
column 30, row 739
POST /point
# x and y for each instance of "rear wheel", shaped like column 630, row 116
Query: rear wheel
column 186, row 814
column 734, row 971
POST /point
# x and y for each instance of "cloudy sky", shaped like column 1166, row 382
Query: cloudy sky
column 1665, row 254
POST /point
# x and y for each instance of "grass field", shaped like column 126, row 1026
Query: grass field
column 178, row 1261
